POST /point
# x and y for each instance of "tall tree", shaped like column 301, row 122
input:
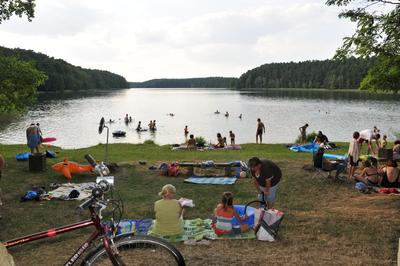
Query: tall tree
column 16, row 7
column 18, row 83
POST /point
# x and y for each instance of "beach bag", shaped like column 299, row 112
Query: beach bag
column 163, row 169
column 173, row 169
column 267, row 224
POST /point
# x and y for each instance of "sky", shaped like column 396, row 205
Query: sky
column 147, row 39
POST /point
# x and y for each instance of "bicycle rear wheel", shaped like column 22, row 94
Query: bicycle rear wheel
column 139, row 250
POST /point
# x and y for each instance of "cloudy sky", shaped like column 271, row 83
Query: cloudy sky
column 145, row 39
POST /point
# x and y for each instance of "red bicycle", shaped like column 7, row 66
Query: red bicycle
column 126, row 249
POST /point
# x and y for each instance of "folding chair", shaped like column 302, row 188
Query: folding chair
column 319, row 171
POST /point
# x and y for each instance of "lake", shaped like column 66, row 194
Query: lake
column 74, row 119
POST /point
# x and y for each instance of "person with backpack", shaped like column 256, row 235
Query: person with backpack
column 265, row 176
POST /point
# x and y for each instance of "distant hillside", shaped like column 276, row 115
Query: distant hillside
column 328, row 74
column 211, row 82
column 64, row 76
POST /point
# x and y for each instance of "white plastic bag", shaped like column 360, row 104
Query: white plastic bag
column 267, row 231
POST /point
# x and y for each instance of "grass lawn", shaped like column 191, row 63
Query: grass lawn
column 327, row 222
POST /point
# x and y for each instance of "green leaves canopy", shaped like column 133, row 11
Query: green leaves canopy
column 17, row 7
column 18, row 83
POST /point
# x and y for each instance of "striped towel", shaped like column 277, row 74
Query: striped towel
column 212, row 180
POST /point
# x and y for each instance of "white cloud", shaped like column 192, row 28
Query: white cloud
column 145, row 39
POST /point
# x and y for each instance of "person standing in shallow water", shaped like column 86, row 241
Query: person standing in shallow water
column 260, row 130
column 303, row 133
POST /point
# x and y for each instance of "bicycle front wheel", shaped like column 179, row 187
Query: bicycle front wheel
column 139, row 250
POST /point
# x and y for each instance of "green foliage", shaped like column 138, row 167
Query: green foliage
column 64, row 76
column 200, row 141
column 328, row 74
column 16, row 7
column 149, row 142
column 211, row 82
column 18, row 84
column 385, row 76
column 310, row 137
column 377, row 33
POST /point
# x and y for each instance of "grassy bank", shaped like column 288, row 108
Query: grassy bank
column 327, row 222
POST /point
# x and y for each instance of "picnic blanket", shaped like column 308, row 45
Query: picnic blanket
column 136, row 226
column 211, row 180
column 198, row 229
column 63, row 191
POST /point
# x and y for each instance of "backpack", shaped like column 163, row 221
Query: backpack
column 163, row 169
column 267, row 224
column 173, row 169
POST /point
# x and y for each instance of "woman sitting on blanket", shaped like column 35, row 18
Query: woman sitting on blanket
column 191, row 143
column 221, row 142
column 168, row 212
column 224, row 213
column 369, row 175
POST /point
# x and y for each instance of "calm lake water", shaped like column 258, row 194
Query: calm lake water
column 74, row 120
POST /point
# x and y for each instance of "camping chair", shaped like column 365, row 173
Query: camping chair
column 319, row 171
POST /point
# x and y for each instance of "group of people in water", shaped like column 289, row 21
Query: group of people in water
column 227, row 114
column 169, row 212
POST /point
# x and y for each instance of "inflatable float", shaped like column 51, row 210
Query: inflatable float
column 25, row 155
column 68, row 168
column 45, row 140
column 309, row 147
column 250, row 215
column 119, row 133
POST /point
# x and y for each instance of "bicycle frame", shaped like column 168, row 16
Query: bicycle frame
column 94, row 221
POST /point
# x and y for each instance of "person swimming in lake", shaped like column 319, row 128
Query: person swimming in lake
column 227, row 114
column 223, row 216
column 186, row 130
column 126, row 119
column 240, row 116
column 153, row 127
column 216, row 112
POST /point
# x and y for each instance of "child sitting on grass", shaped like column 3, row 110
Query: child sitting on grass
column 224, row 213
column 168, row 213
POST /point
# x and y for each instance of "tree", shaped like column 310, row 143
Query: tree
column 377, row 34
column 18, row 83
column 378, row 24
column 16, row 7
column 384, row 76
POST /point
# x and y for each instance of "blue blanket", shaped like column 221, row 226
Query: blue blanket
column 211, row 180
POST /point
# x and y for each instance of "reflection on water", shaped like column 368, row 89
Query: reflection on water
column 73, row 118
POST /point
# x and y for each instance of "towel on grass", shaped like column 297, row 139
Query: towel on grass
column 63, row 191
column 198, row 229
column 211, row 180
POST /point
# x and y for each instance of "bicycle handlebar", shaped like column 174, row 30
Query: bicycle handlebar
column 96, row 193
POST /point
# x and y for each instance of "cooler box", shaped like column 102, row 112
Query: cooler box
column 37, row 162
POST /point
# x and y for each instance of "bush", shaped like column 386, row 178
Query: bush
column 149, row 142
column 200, row 141
column 310, row 137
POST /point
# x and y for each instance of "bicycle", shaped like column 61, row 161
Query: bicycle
column 125, row 249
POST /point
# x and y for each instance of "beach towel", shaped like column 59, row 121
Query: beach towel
column 64, row 190
column 211, row 180
column 136, row 226
column 198, row 229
